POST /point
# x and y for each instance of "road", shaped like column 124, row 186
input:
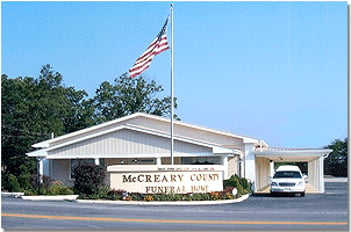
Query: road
column 316, row 212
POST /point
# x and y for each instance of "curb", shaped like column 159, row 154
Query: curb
column 240, row 199
column 50, row 198
column 12, row 194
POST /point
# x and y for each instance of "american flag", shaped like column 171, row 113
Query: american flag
column 158, row 45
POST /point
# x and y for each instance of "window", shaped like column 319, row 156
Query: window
column 143, row 161
column 201, row 160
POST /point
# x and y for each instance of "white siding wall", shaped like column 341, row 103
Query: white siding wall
column 164, row 126
column 315, row 174
column 61, row 171
column 232, row 166
column 184, row 131
column 189, row 132
column 126, row 142
column 262, row 173
column 86, row 134
column 250, row 170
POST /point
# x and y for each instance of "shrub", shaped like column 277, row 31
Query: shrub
column 228, row 189
column 244, row 183
column 226, row 194
column 29, row 193
column 89, row 179
column 196, row 197
column 34, row 181
column 103, row 192
column 187, row 197
column 113, row 194
column 241, row 184
column 24, row 181
column 58, row 188
column 148, row 198
column 32, row 186
column 13, row 185
column 214, row 195
column 162, row 197
column 137, row 196
column 116, row 194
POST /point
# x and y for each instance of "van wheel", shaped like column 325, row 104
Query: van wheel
column 302, row 194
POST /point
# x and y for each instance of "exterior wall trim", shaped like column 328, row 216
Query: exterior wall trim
column 158, row 155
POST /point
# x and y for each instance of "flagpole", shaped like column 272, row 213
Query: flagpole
column 172, row 89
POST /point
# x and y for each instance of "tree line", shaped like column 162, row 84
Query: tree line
column 35, row 108
column 336, row 163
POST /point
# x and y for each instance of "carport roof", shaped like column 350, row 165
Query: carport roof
column 292, row 154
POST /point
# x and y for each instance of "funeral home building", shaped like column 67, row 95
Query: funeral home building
column 143, row 139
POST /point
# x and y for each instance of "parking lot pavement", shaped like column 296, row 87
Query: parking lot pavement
column 316, row 212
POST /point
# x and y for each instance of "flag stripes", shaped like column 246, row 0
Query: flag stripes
column 158, row 45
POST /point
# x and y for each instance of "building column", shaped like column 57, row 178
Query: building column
column 314, row 174
column 225, row 164
column 240, row 164
column 271, row 167
column 321, row 174
column 40, row 170
column 158, row 161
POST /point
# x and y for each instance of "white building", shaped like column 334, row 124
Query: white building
column 144, row 139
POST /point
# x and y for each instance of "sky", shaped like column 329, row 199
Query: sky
column 276, row 71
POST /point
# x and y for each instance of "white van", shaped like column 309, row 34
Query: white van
column 288, row 179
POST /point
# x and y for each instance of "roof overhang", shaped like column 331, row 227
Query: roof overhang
column 292, row 154
column 119, row 156
column 42, row 153
column 47, row 143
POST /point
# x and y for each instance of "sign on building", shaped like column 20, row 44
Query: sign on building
column 166, row 179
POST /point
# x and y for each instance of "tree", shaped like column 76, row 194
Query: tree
column 65, row 106
column 32, row 109
column 128, row 96
column 336, row 163
column 81, row 114
column 17, row 131
column 89, row 179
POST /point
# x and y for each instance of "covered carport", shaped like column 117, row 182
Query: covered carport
column 266, row 157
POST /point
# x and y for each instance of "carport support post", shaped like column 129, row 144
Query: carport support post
column 321, row 174
column 271, row 167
